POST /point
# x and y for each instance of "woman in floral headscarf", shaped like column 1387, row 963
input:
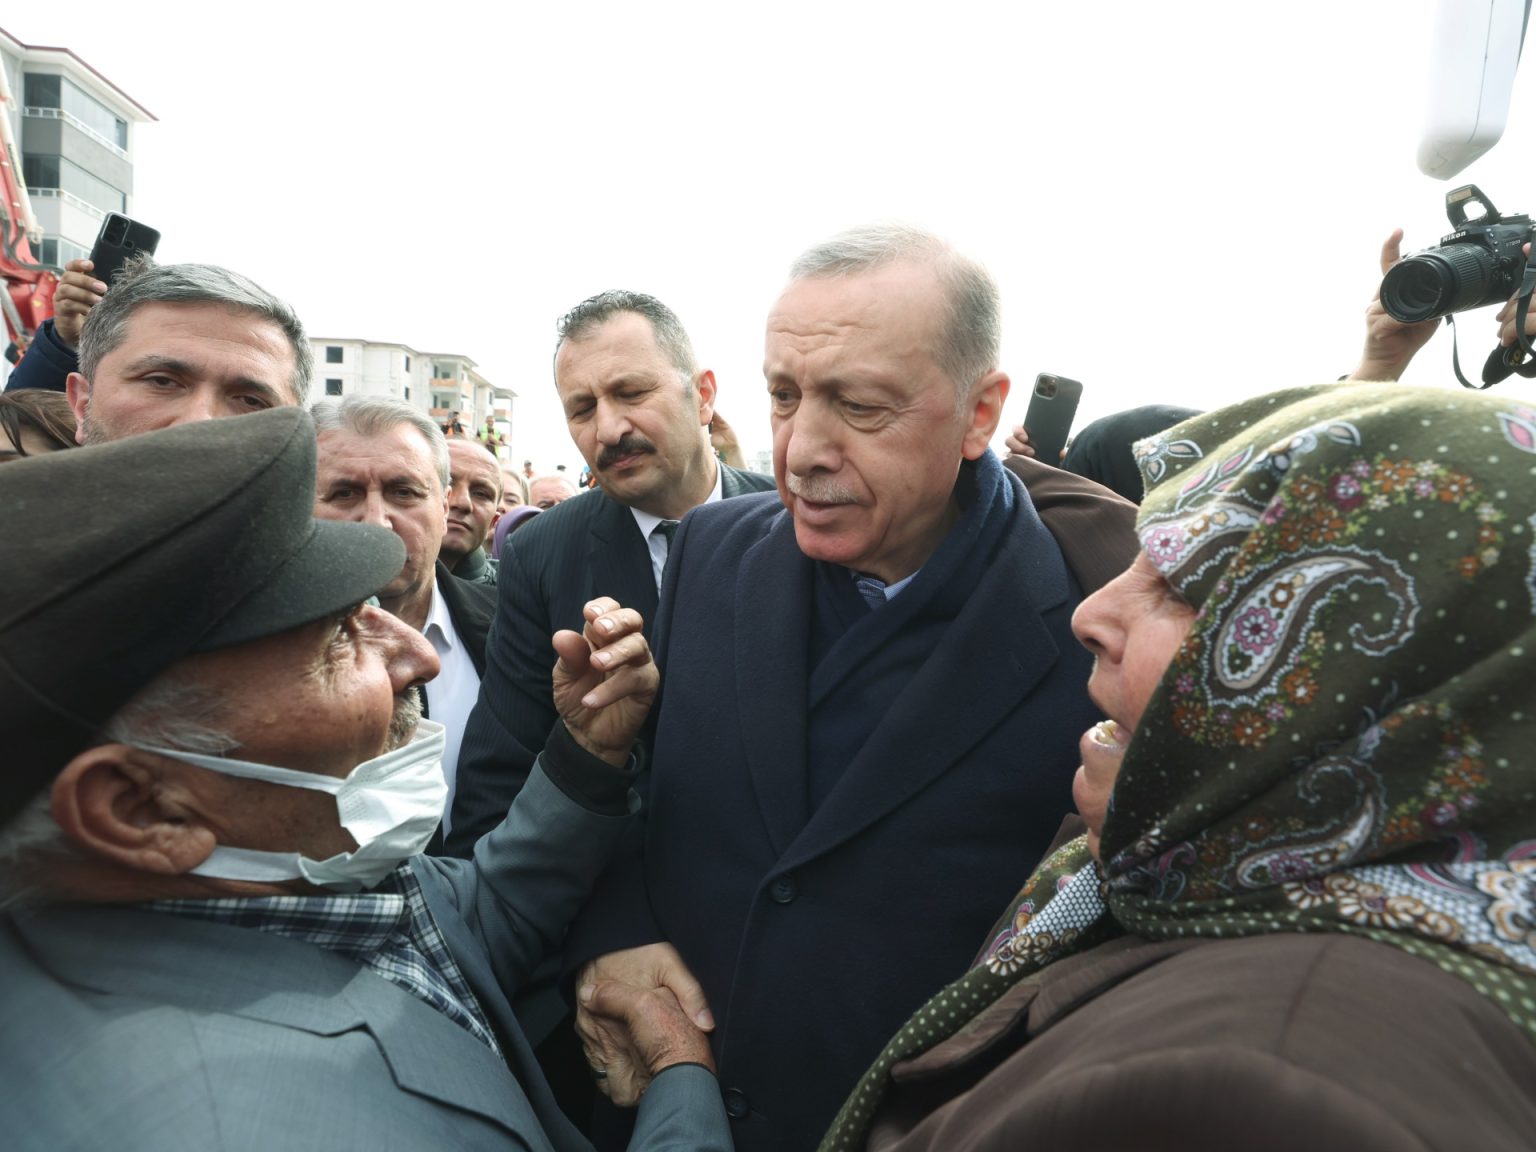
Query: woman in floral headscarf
column 1304, row 914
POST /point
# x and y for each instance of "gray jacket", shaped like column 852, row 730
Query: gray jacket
column 122, row 1028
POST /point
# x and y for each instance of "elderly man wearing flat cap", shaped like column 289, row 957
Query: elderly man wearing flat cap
column 219, row 931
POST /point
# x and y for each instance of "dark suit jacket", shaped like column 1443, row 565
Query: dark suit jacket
column 813, row 943
column 1266, row 1044
column 586, row 547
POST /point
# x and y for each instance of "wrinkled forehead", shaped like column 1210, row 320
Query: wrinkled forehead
column 399, row 452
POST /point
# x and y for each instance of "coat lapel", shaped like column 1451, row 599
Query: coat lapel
column 207, row 967
column 771, row 624
column 1005, row 650
column 471, row 608
column 619, row 563
column 470, row 954
column 1037, row 1003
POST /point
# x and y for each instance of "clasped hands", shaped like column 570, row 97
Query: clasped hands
column 639, row 1011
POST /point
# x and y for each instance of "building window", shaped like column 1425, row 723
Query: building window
column 407, row 363
column 407, row 391
column 55, row 251
column 64, row 175
column 333, row 387
column 44, row 91
column 332, row 354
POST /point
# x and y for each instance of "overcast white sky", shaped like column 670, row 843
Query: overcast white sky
column 1182, row 201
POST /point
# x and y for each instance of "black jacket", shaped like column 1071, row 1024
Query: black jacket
column 585, row 547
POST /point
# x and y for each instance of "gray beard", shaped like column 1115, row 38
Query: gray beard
column 402, row 725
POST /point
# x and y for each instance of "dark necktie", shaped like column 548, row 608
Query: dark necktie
column 872, row 588
column 667, row 528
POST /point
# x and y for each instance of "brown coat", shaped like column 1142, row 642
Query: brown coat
column 1083, row 517
column 1313, row 1042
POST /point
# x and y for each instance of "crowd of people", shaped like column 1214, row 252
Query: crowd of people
column 371, row 793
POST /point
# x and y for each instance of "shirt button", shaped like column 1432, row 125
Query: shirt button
column 736, row 1105
column 784, row 889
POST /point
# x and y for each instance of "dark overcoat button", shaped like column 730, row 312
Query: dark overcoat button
column 736, row 1105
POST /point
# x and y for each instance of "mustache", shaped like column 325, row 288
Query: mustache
column 402, row 724
column 630, row 445
column 820, row 489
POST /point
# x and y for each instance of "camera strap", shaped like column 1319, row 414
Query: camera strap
column 1520, row 357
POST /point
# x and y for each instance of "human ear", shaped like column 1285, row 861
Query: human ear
column 704, row 385
column 78, row 389
column 111, row 801
column 983, row 411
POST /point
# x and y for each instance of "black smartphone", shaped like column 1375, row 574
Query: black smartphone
column 1052, row 407
column 119, row 240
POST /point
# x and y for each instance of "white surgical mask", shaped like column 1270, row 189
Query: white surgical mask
column 391, row 805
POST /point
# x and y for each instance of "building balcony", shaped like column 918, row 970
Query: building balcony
column 68, row 198
column 77, row 123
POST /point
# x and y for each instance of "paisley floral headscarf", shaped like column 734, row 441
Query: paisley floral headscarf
column 1346, row 740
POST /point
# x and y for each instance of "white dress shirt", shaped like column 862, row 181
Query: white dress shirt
column 452, row 694
column 656, row 541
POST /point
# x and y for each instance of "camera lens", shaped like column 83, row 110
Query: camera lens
column 1435, row 283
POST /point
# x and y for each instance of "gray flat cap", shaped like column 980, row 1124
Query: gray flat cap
column 118, row 560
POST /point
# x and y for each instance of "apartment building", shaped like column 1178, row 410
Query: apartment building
column 444, row 385
column 75, row 131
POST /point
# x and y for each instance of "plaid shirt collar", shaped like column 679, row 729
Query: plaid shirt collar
column 388, row 929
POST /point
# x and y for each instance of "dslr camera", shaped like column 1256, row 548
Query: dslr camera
column 1479, row 263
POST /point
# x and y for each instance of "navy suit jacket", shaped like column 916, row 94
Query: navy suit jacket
column 815, row 934
column 585, row 547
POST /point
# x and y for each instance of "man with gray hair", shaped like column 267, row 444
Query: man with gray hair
column 872, row 698
column 229, row 937
column 382, row 461
column 174, row 343
column 544, row 492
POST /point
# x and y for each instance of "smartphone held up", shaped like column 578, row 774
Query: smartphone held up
column 1052, row 408
column 119, row 241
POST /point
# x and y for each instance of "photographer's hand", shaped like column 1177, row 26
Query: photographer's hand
column 1389, row 343
column 1506, row 316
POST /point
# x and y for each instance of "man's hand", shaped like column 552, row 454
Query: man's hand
column 1506, row 316
column 722, row 438
column 660, row 1033
column 1389, row 343
column 605, row 680
column 78, row 292
column 1018, row 442
column 625, row 1047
